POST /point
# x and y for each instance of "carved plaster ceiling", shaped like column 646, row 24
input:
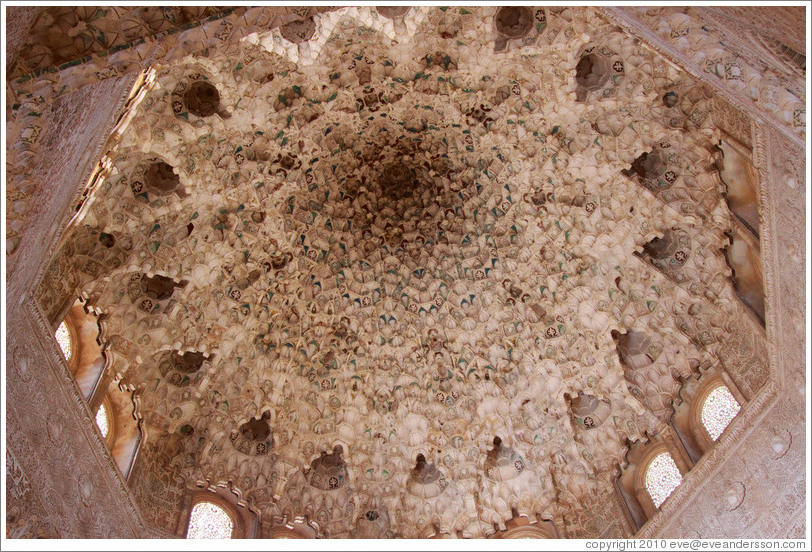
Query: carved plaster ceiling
column 65, row 34
column 387, row 273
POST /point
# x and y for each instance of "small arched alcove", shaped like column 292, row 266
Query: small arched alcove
column 79, row 338
column 591, row 73
column 183, row 368
column 254, row 437
column 741, row 184
column 125, row 425
column 635, row 349
column 743, row 256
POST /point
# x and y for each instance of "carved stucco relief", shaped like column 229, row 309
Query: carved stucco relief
column 737, row 74
column 584, row 523
column 53, row 438
column 48, row 169
column 25, row 515
column 757, row 472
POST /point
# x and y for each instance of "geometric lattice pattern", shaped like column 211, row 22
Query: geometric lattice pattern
column 101, row 421
column 718, row 411
column 662, row 477
column 209, row 522
column 63, row 338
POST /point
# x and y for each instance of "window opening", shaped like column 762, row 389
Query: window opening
column 662, row 477
column 209, row 521
column 718, row 410
column 101, row 421
column 63, row 338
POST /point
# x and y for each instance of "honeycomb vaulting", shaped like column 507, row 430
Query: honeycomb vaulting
column 370, row 272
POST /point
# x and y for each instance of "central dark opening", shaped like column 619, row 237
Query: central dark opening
column 160, row 178
column 514, row 21
column 202, row 99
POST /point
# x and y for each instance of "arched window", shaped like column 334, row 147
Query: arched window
column 63, row 338
column 662, row 477
column 209, row 521
column 653, row 470
column 101, row 420
column 218, row 512
column 718, row 410
column 708, row 403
